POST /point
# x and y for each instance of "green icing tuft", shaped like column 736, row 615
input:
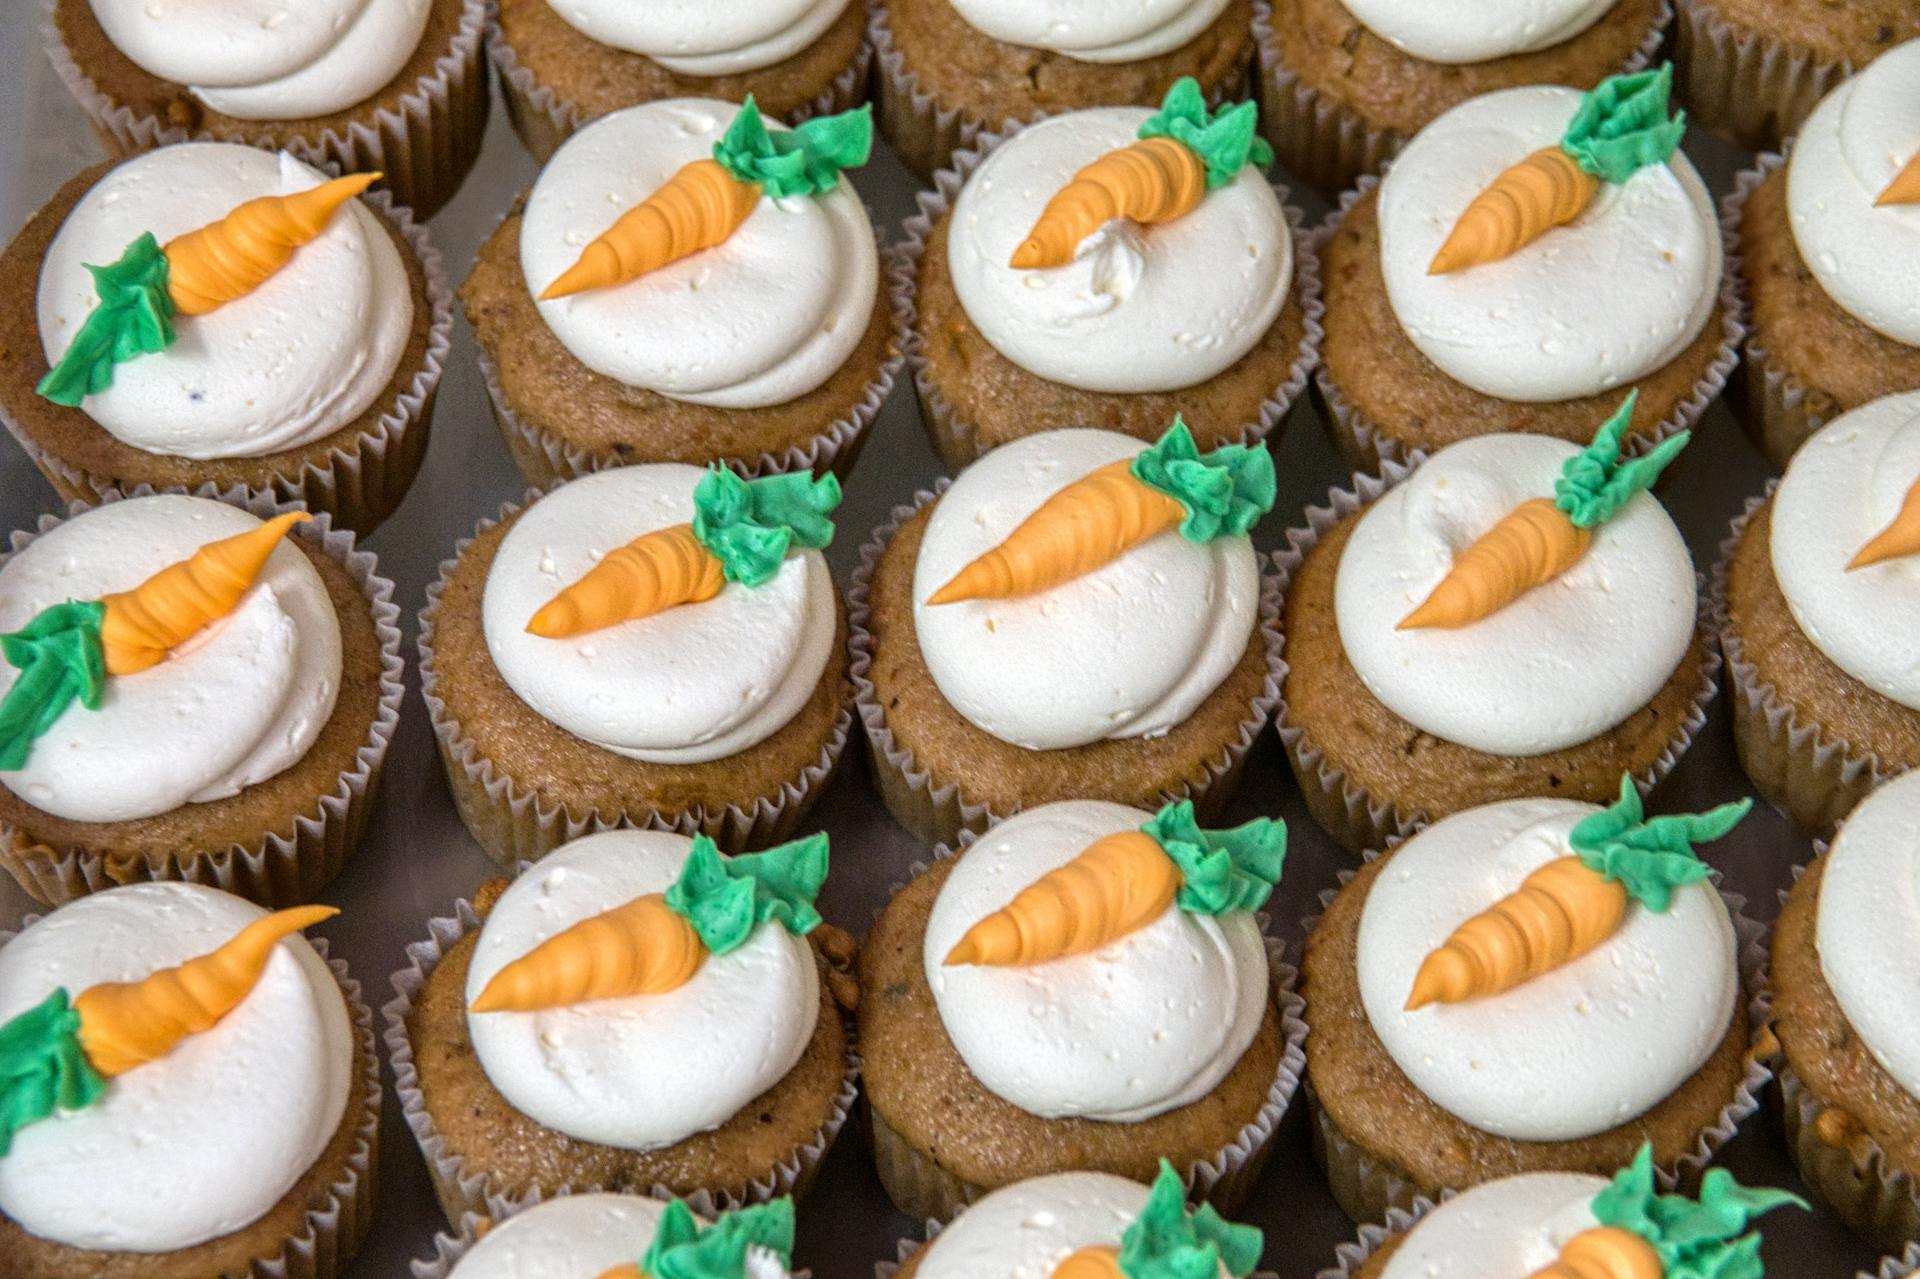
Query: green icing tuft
column 726, row 898
column 1622, row 125
column 749, row 525
column 1225, row 492
column 1167, row 1242
column 1696, row 1238
column 134, row 317
column 682, row 1248
column 60, row 662
column 42, row 1067
column 1595, row 483
column 1225, row 142
column 1222, row 870
column 1650, row 858
column 806, row 160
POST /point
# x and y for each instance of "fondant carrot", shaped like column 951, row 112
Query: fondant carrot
column 1169, row 1241
column 1605, row 1252
column 1099, row 1261
column 1900, row 537
column 654, row 572
column 1905, row 187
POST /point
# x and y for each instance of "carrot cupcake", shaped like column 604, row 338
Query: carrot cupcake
column 1513, row 617
column 587, row 1235
column 187, row 696
column 389, row 86
column 1830, row 247
column 1110, row 268
column 1344, row 83
column 174, row 1036
column 1083, row 988
column 636, row 1012
column 684, row 283
column 1530, row 254
column 1530, row 986
column 1079, row 616
column 1809, row 599
column 217, row 314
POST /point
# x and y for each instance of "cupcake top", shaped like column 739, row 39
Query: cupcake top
column 1124, row 643
column 1092, row 31
column 1851, row 482
column 1596, row 303
column 716, row 666
column 634, row 988
column 1550, row 1044
column 1858, row 233
column 737, row 314
column 1162, row 294
column 701, row 38
column 161, row 651
column 1091, row 960
column 1443, row 33
column 590, row 1235
column 256, row 60
column 106, row 1099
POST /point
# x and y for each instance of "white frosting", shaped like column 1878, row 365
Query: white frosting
column 650, row 1070
column 758, row 320
column 694, row 683
column 240, row 702
column 1869, row 921
column 1563, row 663
column 1860, row 136
column 1843, row 487
column 705, row 37
column 1143, row 1025
column 289, row 363
column 204, row 1141
column 1025, row 1230
column 1478, row 32
column 1140, row 308
column 1128, row 650
column 1588, row 307
column 1502, row 1229
column 1577, row 1051
column 1093, row 30
column 269, row 59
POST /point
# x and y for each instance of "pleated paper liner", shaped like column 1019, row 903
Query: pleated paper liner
column 1742, row 84
column 1350, row 1257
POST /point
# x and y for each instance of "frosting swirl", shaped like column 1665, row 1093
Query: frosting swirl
column 701, row 37
column 1513, row 1226
column 1093, row 30
column 1479, row 33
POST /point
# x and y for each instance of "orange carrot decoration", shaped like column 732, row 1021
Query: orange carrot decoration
column 1620, row 127
column 1103, row 515
column 682, row 1248
column 1905, row 187
column 1570, row 905
column 1605, row 1252
column 1168, row 1241
column 654, row 572
column 1900, row 537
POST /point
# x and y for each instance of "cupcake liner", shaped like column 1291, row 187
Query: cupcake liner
column 1356, row 819
column 930, row 1230
column 957, row 440
column 1326, row 143
column 462, row 1189
column 1742, row 85
column 361, row 483
column 1903, row 1266
column 935, row 811
column 275, row 869
column 1351, row 1256
column 1365, row 446
column 424, row 148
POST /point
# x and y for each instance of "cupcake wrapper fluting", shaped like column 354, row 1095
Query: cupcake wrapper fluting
column 1741, row 84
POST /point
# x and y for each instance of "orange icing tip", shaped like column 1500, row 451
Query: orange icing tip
column 1898, row 538
column 1530, row 546
column 1905, row 187
column 1120, row 883
column 654, row 572
column 697, row 208
column 232, row 257
column 1545, row 190
column 642, row 947
column 1560, row 912
column 1096, row 1262
column 1605, row 1252
column 1151, row 181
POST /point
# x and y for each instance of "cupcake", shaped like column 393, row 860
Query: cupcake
column 1808, row 599
column 1084, row 988
column 1830, row 249
column 216, row 314
column 1513, row 617
column 187, row 696
column 394, row 86
column 1536, row 985
column 651, row 646
column 1109, row 268
column 174, row 1036
column 1530, row 254
column 611, row 1236
column 950, row 69
column 684, row 284
column 1078, row 616
column 636, row 1012
column 1344, row 83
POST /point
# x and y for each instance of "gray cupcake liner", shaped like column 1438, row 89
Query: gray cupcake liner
column 1742, row 84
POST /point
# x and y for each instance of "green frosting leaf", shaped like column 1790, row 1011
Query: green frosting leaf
column 42, row 1067
column 726, row 898
column 1223, row 870
column 1622, row 125
column 749, row 525
column 1167, row 1242
column 1595, row 483
column 684, row 1249
column 60, row 662
column 1225, row 491
column 134, row 317
column 1225, row 142
column 806, row 160
column 1696, row 1239
column 1650, row 858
